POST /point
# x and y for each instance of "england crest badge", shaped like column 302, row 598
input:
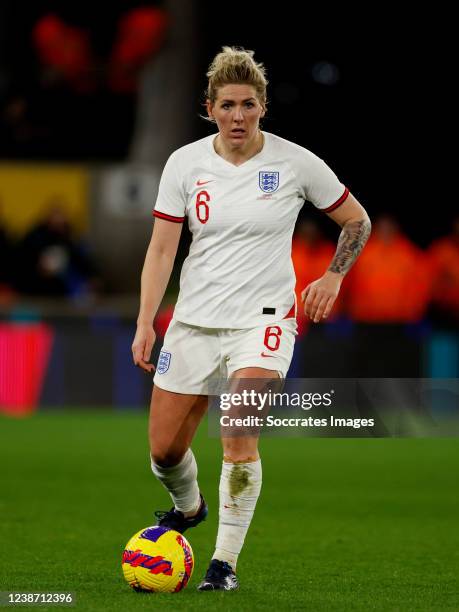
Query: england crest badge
column 268, row 181
column 164, row 362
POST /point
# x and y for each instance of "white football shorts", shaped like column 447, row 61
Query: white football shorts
column 191, row 356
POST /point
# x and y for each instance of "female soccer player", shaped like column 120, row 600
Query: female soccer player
column 241, row 190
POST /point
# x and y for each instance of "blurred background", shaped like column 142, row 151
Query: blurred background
column 94, row 98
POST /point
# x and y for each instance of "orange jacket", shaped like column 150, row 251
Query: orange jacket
column 390, row 282
column 444, row 257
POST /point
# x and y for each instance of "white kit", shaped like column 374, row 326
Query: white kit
column 239, row 272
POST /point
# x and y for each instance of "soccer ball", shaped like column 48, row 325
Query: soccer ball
column 158, row 559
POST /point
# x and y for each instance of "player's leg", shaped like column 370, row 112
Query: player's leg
column 240, row 485
column 174, row 418
column 241, row 475
column 189, row 356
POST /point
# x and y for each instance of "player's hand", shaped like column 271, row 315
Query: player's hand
column 320, row 295
column 142, row 346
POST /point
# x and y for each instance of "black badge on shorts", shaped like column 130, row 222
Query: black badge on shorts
column 269, row 311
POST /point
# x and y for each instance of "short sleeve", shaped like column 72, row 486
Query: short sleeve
column 318, row 183
column 170, row 203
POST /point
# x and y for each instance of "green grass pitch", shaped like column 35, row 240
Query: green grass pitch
column 340, row 525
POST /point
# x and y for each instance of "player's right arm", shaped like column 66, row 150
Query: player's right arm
column 156, row 273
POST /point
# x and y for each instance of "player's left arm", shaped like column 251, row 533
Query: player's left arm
column 320, row 295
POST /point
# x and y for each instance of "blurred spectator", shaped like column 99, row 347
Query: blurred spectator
column 387, row 294
column 65, row 45
column 311, row 256
column 444, row 255
column 52, row 262
column 72, row 74
column 391, row 280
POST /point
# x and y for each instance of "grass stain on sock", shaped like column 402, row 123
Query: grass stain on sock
column 238, row 480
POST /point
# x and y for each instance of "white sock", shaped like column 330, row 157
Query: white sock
column 181, row 482
column 240, row 486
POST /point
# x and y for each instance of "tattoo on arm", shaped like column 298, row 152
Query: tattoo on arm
column 350, row 243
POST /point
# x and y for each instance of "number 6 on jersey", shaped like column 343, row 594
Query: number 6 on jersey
column 202, row 208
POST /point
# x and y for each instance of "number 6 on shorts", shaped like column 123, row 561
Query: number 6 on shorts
column 273, row 331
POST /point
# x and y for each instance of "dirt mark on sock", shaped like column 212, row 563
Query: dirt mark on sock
column 238, row 480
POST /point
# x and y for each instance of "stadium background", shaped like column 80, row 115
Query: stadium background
column 92, row 101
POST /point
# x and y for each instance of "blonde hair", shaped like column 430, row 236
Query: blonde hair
column 235, row 65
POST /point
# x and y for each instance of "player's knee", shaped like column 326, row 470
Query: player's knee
column 238, row 451
column 240, row 458
column 166, row 457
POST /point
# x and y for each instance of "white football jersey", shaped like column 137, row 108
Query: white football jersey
column 239, row 272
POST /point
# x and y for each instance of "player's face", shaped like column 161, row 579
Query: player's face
column 237, row 112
